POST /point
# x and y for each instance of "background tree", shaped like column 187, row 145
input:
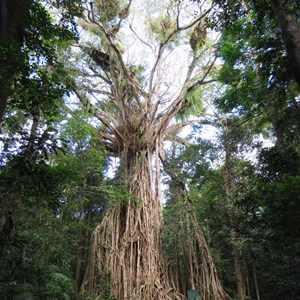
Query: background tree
column 260, row 85
column 32, row 88
column 27, row 31
column 216, row 176
column 35, row 83
column 286, row 15
column 62, row 201
column 184, row 240
column 14, row 19
column 257, row 69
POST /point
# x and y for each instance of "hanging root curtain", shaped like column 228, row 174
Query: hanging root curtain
column 126, row 247
column 127, row 258
column 194, row 268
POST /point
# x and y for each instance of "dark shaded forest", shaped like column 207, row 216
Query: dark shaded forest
column 150, row 150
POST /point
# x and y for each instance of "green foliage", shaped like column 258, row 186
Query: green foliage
column 174, row 236
column 34, row 255
column 59, row 191
column 43, row 35
column 57, row 200
column 273, row 226
column 193, row 104
column 36, row 84
column 256, row 72
column 257, row 79
column 110, row 12
column 60, row 287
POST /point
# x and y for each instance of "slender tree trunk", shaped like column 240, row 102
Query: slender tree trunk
column 3, row 102
column 248, row 292
column 238, row 266
column 79, row 257
column 255, row 282
column 87, row 232
column 290, row 34
column 227, row 175
column 78, row 265
column 34, row 129
column 273, row 114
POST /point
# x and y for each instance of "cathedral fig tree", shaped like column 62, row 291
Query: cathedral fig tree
column 133, row 79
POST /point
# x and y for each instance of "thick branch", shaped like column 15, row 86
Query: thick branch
column 202, row 80
column 290, row 34
column 102, row 116
column 178, row 104
column 164, row 43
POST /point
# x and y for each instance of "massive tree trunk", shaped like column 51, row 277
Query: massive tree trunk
column 127, row 253
column 290, row 34
column 126, row 248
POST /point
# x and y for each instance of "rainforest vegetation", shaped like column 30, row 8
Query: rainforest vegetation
column 150, row 150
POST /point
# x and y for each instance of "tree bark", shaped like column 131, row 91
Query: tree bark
column 227, row 175
column 195, row 268
column 273, row 114
column 126, row 248
column 248, row 292
column 256, row 283
column 271, row 109
column 34, row 129
column 238, row 267
column 15, row 15
column 290, row 32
